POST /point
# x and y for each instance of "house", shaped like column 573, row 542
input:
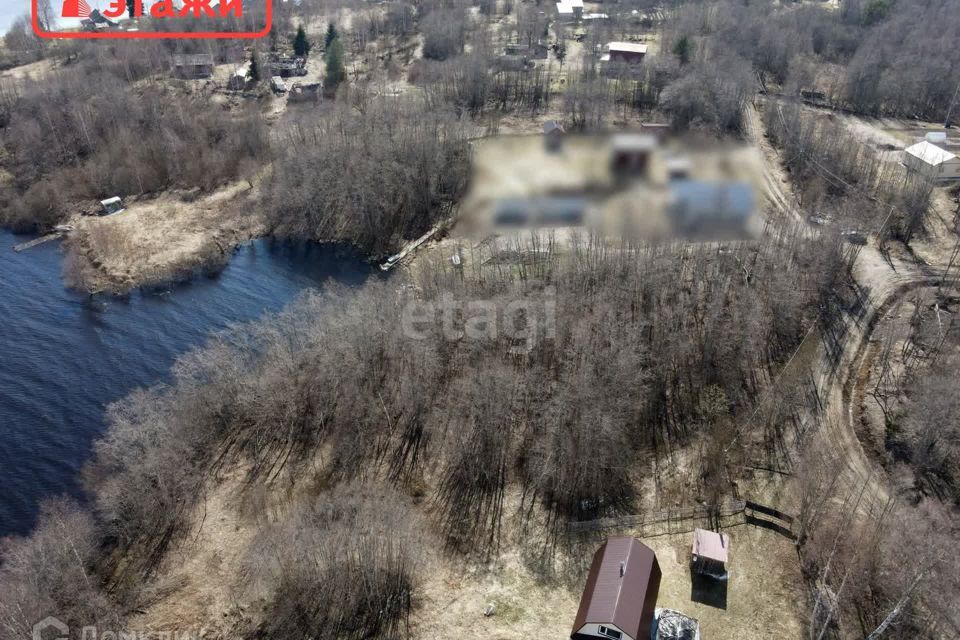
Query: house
column 624, row 52
column 96, row 21
column 932, row 162
column 711, row 551
column 620, row 598
column 238, row 79
column 630, row 154
column 508, row 62
column 192, row 66
column 569, row 10
column 309, row 92
column 289, row 67
column 536, row 51
column 552, row 135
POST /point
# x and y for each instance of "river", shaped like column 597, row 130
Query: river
column 64, row 356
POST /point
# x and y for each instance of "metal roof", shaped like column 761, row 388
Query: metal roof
column 930, row 153
column 711, row 545
column 627, row 47
column 192, row 59
column 621, row 588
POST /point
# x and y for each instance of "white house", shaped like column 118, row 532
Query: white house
column 570, row 10
column 931, row 161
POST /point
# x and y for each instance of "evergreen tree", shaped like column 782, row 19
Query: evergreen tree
column 682, row 48
column 332, row 35
column 336, row 72
column 301, row 46
column 254, row 72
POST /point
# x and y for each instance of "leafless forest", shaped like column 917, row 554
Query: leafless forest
column 622, row 356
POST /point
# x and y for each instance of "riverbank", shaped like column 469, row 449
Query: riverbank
column 66, row 357
column 160, row 240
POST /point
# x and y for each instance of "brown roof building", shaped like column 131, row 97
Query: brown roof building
column 192, row 65
column 620, row 596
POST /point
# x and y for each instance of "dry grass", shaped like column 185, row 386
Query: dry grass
column 201, row 586
column 164, row 239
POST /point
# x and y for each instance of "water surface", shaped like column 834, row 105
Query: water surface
column 64, row 357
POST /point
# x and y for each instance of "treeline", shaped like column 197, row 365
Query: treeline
column 100, row 128
column 591, row 363
column 873, row 56
column 838, row 176
column 371, row 176
column 913, row 371
column 893, row 573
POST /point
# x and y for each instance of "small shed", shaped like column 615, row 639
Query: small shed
column 111, row 206
column 192, row 66
column 238, row 79
column 931, row 161
column 711, row 551
column 620, row 598
column 277, row 85
column 552, row 135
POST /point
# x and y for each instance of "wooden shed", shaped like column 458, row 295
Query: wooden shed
column 192, row 66
column 620, row 597
column 710, row 553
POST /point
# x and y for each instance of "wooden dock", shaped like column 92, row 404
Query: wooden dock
column 37, row 241
column 411, row 247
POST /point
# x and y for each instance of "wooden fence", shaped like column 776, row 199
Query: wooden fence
column 666, row 521
column 672, row 520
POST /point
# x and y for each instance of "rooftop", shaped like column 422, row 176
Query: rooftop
column 930, row 153
column 628, row 47
column 621, row 587
column 711, row 545
column 192, row 59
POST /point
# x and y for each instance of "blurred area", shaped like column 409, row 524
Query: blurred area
column 646, row 185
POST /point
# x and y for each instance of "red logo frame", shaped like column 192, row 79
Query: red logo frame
column 147, row 35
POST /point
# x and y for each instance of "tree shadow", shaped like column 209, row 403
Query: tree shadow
column 707, row 590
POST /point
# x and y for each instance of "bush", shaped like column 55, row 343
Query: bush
column 54, row 572
column 343, row 567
